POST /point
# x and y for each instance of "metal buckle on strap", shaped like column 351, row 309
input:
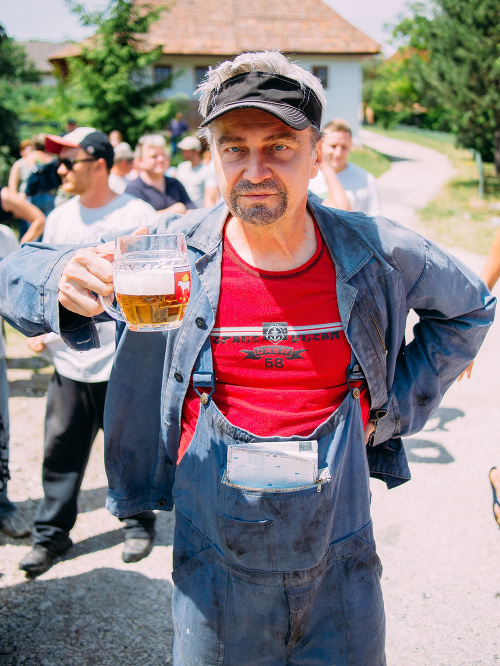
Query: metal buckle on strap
column 355, row 374
column 204, row 380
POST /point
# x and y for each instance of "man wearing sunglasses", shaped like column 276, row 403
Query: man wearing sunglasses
column 75, row 399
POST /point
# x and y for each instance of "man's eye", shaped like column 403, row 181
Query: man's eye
column 280, row 148
column 234, row 149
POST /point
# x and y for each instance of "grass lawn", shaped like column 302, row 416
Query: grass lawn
column 369, row 159
column 457, row 217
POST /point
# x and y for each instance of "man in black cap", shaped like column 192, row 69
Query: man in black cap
column 253, row 416
column 75, row 399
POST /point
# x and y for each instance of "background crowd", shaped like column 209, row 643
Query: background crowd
column 73, row 188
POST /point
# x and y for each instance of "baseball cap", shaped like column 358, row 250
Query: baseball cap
column 297, row 106
column 94, row 143
column 189, row 143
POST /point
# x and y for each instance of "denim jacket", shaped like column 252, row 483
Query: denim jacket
column 383, row 270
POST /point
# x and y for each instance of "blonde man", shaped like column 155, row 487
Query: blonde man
column 359, row 185
column 165, row 194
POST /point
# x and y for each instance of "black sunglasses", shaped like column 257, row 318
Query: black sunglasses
column 69, row 163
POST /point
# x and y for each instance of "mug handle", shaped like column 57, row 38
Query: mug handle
column 110, row 308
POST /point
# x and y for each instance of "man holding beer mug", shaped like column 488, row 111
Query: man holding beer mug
column 288, row 381
column 75, row 399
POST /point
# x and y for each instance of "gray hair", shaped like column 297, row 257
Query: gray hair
column 150, row 140
column 272, row 62
column 123, row 152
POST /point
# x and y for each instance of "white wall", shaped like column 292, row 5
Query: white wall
column 343, row 92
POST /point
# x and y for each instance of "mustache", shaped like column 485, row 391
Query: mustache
column 245, row 187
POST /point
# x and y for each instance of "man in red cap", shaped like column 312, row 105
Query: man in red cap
column 75, row 399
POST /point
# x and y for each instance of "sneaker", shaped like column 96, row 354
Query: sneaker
column 136, row 549
column 39, row 560
column 15, row 526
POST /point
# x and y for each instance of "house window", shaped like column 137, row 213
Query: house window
column 321, row 73
column 162, row 73
column 200, row 73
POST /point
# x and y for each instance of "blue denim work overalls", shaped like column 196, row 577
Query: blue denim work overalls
column 275, row 577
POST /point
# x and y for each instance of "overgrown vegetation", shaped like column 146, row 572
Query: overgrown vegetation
column 108, row 80
column 447, row 74
column 108, row 84
column 457, row 217
column 16, row 72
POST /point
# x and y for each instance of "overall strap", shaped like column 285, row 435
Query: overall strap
column 203, row 372
column 354, row 372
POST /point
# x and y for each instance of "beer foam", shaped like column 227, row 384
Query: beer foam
column 153, row 282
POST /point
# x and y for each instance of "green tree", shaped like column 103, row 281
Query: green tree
column 15, row 72
column 395, row 96
column 108, row 75
column 455, row 46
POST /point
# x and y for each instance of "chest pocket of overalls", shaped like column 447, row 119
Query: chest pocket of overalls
column 278, row 529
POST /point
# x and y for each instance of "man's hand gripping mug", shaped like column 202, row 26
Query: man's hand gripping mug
column 151, row 280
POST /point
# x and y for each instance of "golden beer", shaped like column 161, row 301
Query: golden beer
column 152, row 299
column 151, row 310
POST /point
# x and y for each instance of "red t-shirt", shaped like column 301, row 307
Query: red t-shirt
column 279, row 352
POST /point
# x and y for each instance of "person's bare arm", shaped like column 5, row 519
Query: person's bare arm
column 337, row 198
column 489, row 275
column 174, row 208
column 37, row 343
column 14, row 203
column 14, row 177
column 210, row 196
column 491, row 270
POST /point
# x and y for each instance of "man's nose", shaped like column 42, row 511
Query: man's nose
column 256, row 168
column 64, row 169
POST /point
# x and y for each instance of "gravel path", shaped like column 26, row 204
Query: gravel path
column 435, row 534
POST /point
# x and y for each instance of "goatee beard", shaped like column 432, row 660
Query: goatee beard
column 258, row 214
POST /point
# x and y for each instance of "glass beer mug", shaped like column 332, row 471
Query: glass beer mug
column 151, row 280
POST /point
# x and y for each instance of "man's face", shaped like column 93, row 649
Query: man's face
column 336, row 149
column 154, row 160
column 79, row 179
column 125, row 166
column 263, row 166
column 189, row 155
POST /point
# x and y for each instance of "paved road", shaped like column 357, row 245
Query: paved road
column 436, row 536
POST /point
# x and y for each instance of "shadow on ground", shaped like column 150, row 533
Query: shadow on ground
column 34, row 387
column 27, row 363
column 393, row 158
column 106, row 616
column 426, row 450
column 88, row 501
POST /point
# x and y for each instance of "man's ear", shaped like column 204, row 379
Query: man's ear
column 101, row 164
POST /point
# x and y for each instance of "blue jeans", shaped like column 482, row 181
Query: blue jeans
column 6, row 506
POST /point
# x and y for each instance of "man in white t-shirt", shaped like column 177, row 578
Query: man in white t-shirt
column 75, row 399
column 359, row 185
column 195, row 175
